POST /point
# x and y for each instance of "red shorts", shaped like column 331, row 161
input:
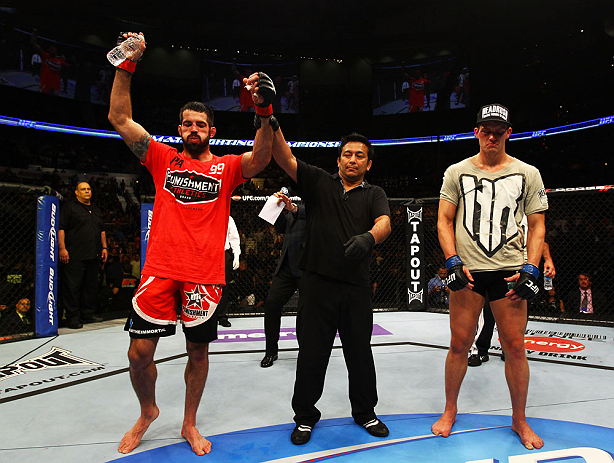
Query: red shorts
column 156, row 305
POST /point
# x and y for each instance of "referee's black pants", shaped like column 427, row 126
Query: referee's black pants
column 325, row 307
column 283, row 287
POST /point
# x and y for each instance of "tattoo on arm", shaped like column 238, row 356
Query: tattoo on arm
column 139, row 148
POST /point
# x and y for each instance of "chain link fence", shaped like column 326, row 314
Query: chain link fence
column 580, row 233
column 261, row 248
column 17, row 260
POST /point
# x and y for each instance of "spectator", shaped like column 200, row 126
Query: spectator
column 584, row 301
column 18, row 320
column 439, row 293
column 242, row 286
column 135, row 263
column 123, row 289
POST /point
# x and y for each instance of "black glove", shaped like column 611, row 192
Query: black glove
column 456, row 279
column 266, row 90
column 272, row 120
column 526, row 285
column 358, row 246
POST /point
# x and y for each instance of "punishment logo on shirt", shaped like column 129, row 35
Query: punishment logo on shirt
column 191, row 187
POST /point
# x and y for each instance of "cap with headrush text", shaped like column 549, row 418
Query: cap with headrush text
column 494, row 113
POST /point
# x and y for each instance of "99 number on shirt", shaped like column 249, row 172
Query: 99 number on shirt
column 217, row 168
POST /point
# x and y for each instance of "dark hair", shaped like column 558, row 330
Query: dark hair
column 126, row 267
column 586, row 274
column 199, row 108
column 359, row 138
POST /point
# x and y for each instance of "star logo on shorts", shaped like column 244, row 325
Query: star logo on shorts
column 195, row 297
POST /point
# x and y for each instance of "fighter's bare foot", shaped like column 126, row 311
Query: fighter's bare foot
column 132, row 438
column 199, row 444
column 443, row 426
column 527, row 436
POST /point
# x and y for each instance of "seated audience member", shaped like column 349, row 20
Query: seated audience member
column 135, row 262
column 551, row 304
column 584, row 301
column 242, row 287
column 439, row 294
column 18, row 320
column 123, row 289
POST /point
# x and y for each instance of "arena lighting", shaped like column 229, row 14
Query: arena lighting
column 47, row 126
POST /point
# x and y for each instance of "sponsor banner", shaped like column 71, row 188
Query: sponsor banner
column 581, row 189
column 566, row 346
column 284, row 333
column 475, row 438
column 260, row 199
column 146, row 215
column 57, row 357
column 56, row 367
column 547, row 344
column 416, row 280
column 46, row 287
column 568, row 335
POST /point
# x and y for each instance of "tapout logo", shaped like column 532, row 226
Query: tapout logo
column 548, row 344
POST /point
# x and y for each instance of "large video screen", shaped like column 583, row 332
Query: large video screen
column 420, row 85
column 45, row 65
column 223, row 87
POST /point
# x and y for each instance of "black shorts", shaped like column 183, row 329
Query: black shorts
column 140, row 328
column 492, row 284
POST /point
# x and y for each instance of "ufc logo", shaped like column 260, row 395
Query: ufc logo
column 490, row 206
column 533, row 287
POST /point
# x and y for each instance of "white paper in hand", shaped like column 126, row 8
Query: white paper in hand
column 271, row 209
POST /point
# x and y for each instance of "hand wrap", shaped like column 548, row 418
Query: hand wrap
column 358, row 246
column 456, row 279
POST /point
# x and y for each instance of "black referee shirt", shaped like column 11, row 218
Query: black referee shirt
column 333, row 217
column 83, row 226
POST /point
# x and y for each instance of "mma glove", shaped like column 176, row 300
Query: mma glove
column 358, row 246
column 456, row 279
column 266, row 90
column 272, row 120
column 526, row 285
column 129, row 64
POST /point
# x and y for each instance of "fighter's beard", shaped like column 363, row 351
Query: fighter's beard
column 195, row 149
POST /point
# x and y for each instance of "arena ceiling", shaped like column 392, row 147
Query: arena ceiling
column 322, row 28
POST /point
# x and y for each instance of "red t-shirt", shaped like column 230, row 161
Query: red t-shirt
column 190, row 215
column 416, row 92
column 51, row 72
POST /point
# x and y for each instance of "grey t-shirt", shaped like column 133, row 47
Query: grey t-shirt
column 490, row 209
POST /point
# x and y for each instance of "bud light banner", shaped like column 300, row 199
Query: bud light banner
column 146, row 215
column 416, row 287
column 46, row 288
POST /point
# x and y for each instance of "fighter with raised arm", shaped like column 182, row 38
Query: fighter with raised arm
column 185, row 255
